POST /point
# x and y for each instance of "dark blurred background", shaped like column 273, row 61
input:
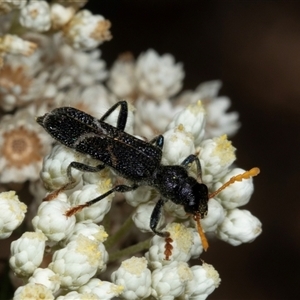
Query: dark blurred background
column 254, row 48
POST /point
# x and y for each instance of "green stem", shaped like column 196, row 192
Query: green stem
column 113, row 239
column 129, row 251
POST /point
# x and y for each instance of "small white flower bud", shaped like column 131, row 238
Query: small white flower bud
column 27, row 253
column 135, row 277
column 60, row 15
column 176, row 210
column 54, row 172
column 197, row 247
column 36, row 16
column 153, row 117
column 216, row 156
column 95, row 233
column 90, row 230
column 238, row 193
column 103, row 289
column 52, row 221
column 169, row 282
column 97, row 211
column 158, row 76
column 86, row 31
column 193, row 119
column 138, row 196
column 77, row 263
column 122, row 80
column 219, row 121
column 205, row 280
column 13, row 213
column 47, row 278
column 33, row 291
column 142, row 215
column 178, row 145
column 215, row 216
column 78, row 296
column 16, row 45
column 239, row 226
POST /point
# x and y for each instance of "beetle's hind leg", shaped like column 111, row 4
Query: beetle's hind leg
column 71, row 181
column 118, row 188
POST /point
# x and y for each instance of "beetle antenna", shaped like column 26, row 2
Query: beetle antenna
column 203, row 238
column 246, row 175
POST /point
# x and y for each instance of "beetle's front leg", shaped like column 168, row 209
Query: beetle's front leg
column 154, row 220
column 189, row 160
column 155, row 217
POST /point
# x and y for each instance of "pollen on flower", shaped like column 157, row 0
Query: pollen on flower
column 11, row 195
column 34, row 235
column 101, row 236
column 33, row 291
column 182, row 236
column 135, row 265
column 184, row 272
column 104, row 185
column 180, row 127
column 197, row 108
column 224, row 149
column 212, row 273
column 89, row 248
column 117, row 289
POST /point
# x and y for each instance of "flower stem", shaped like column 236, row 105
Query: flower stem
column 129, row 251
column 113, row 239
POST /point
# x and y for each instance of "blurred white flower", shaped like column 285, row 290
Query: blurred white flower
column 86, row 31
column 158, row 77
column 14, row 213
column 122, row 81
column 60, row 15
column 36, row 16
column 23, row 146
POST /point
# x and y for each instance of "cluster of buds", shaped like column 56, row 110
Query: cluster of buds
column 81, row 29
column 42, row 49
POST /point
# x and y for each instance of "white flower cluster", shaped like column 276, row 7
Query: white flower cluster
column 76, row 242
column 64, row 251
column 82, row 30
column 13, row 213
column 152, row 82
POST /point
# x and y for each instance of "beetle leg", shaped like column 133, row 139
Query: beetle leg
column 189, row 160
column 118, row 188
column 71, row 183
column 155, row 217
column 158, row 141
column 122, row 118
